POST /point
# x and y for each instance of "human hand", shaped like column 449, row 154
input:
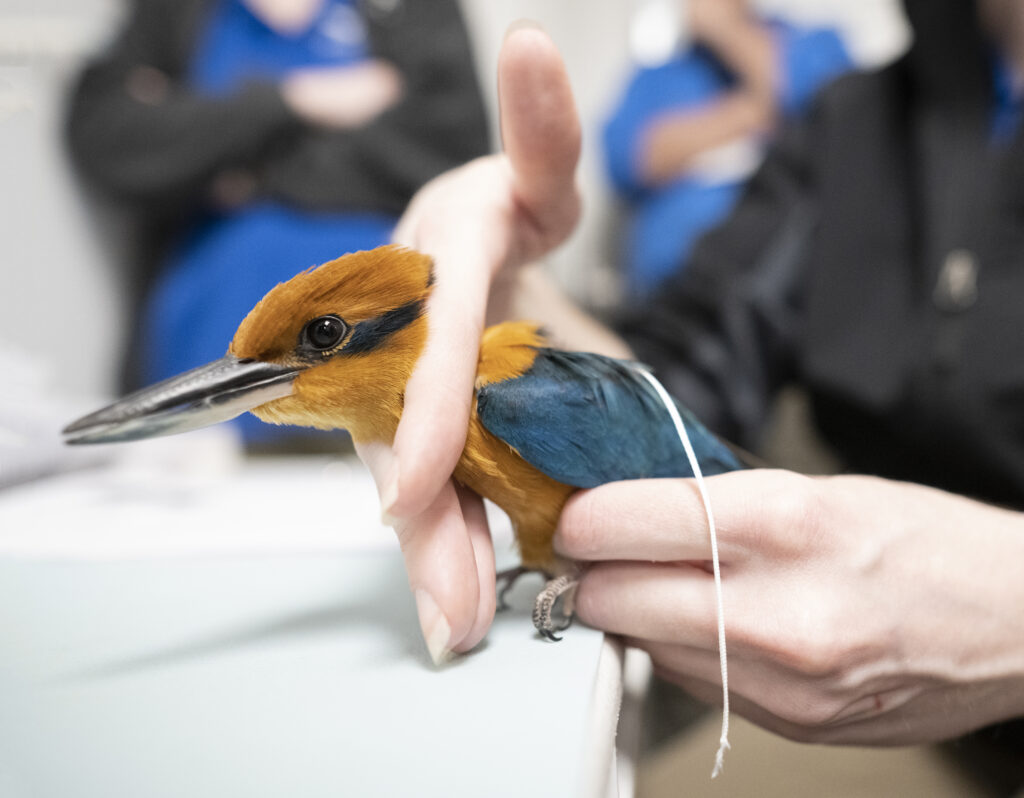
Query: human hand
column 342, row 97
column 478, row 222
column 857, row 610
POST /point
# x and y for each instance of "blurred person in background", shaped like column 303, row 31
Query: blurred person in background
column 256, row 138
column 689, row 131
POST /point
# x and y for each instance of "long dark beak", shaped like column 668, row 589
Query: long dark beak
column 198, row 398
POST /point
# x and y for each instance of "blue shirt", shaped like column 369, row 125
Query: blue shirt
column 237, row 46
column 1007, row 100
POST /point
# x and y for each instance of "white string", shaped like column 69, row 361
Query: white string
column 723, row 740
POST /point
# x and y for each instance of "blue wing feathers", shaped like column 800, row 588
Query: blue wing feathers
column 584, row 419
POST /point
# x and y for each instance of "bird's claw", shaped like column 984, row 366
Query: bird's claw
column 543, row 608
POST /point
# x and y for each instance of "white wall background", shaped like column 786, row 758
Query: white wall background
column 58, row 302
column 58, row 298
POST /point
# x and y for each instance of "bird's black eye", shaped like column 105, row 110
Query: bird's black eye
column 325, row 332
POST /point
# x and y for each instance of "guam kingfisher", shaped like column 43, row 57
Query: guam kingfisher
column 334, row 347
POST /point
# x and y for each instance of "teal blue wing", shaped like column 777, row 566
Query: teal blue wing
column 584, row 419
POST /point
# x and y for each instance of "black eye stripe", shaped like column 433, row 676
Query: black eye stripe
column 373, row 333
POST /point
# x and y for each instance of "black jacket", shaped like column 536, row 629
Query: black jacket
column 164, row 153
column 877, row 259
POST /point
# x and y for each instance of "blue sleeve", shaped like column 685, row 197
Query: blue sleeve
column 810, row 59
column 682, row 83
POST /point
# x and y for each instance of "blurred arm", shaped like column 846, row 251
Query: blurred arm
column 673, row 140
column 138, row 132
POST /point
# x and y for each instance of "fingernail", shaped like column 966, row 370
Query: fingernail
column 437, row 632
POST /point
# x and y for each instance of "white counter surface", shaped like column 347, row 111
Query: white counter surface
column 247, row 630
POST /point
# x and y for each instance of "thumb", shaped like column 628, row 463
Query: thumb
column 540, row 126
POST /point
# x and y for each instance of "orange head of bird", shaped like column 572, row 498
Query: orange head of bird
column 333, row 348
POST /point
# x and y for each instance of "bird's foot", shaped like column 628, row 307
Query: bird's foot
column 507, row 579
column 545, row 619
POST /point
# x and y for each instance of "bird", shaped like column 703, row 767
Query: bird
column 333, row 348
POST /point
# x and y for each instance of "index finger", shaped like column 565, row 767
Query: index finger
column 438, row 397
column 663, row 520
